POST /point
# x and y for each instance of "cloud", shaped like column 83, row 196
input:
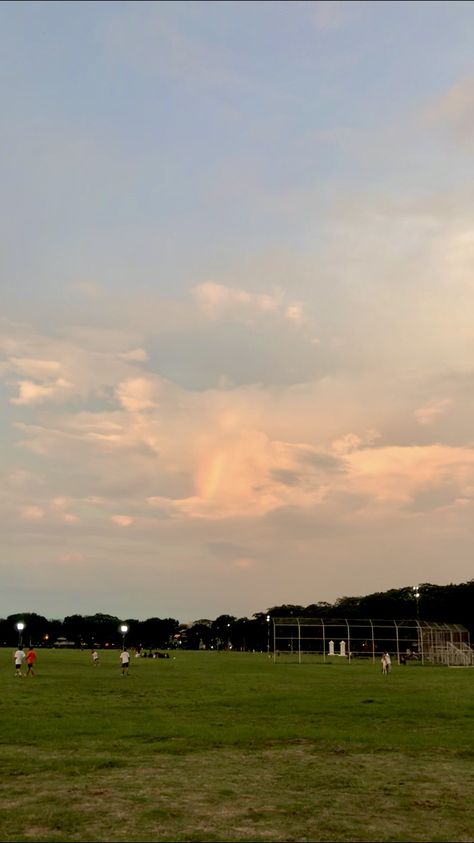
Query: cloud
column 72, row 557
column 294, row 313
column 244, row 563
column 84, row 363
column 352, row 442
column 136, row 355
column 32, row 513
column 394, row 475
column 34, row 393
column 286, row 476
column 326, row 462
column 429, row 413
column 34, row 368
column 454, row 110
column 59, row 503
column 138, row 394
column 435, row 496
column 217, row 301
column 214, row 299
column 70, row 518
column 21, row 480
column 227, row 452
column 58, row 506
column 122, row 520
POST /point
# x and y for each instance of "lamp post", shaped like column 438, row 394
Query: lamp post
column 123, row 629
column 416, row 595
column 20, row 627
column 268, row 636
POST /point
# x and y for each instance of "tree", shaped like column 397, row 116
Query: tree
column 75, row 629
column 318, row 610
column 286, row 610
column 101, row 629
column 35, row 627
column 222, row 630
column 196, row 633
column 158, row 632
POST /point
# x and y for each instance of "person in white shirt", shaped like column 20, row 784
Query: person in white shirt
column 19, row 657
column 386, row 663
column 95, row 658
column 125, row 661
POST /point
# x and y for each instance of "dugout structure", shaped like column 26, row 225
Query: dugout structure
column 322, row 639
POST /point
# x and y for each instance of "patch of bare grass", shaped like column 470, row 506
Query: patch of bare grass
column 291, row 793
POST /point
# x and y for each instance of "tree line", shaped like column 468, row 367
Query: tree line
column 450, row 603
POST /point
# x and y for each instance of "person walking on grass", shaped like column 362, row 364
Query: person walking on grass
column 125, row 661
column 19, row 657
column 30, row 661
column 386, row 663
column 95, row 658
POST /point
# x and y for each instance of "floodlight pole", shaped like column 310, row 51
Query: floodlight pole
column 123, row 630
column 20, row 627
column 416, row 595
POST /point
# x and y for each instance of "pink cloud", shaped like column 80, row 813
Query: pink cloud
column 32, row 513
column 122, row 520
column 429, row 413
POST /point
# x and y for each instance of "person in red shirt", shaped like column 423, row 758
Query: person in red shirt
column 30, row 661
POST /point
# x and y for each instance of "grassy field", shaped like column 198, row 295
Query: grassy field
column 230, row 747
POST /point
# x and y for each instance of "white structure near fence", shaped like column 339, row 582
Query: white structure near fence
column 405, row 640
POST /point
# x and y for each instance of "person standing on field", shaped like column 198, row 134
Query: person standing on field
column 386, row 663
column 95, row 658
column 19, row 657
column 125, row 661
column 30, row 661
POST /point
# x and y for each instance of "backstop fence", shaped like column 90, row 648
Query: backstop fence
column 304, row 639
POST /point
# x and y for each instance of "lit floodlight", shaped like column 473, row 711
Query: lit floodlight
column 123, row 629
column 416, row 595
column 20, row 625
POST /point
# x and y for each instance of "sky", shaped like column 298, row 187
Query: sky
column 236, row 307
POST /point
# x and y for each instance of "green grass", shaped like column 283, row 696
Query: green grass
column 230, row 747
